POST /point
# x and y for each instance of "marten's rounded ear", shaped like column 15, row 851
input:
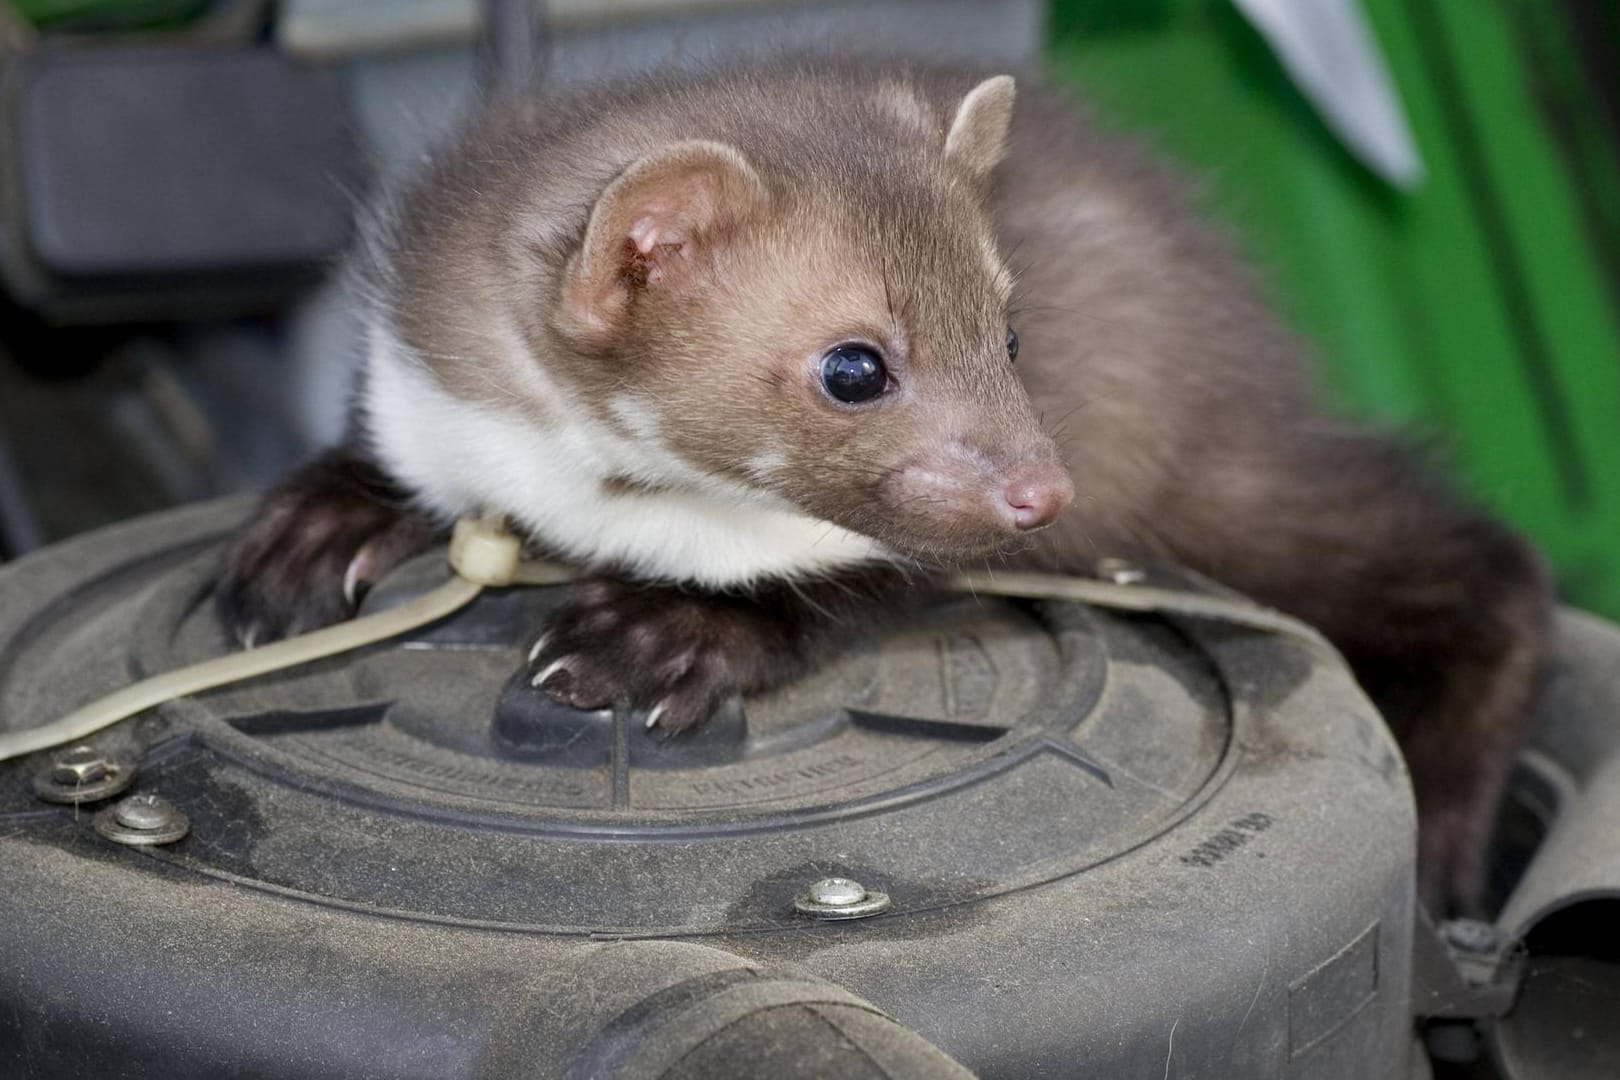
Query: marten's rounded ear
column 650, row 225
column 978, row 136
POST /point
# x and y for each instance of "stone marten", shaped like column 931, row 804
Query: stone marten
column 762, row 350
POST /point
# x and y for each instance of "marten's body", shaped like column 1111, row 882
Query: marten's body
column 748, row 335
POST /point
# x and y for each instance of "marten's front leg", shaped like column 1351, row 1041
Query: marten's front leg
column 678, row 654
column 316, row 542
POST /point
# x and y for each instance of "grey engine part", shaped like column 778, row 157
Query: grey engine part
column 1109, row 845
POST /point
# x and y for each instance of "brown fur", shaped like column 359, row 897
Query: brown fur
column 1196, row 438
column 864, row 230
column 684, row 644
column 337, row 520
column 1177, row 402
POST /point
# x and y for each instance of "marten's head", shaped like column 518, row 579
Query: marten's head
column 815, row 309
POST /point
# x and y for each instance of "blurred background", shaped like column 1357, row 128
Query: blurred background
column 1429, row 185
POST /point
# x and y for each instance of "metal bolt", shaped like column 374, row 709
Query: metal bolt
column 1472, row 936
column 840, row 898
column 1120, row 571
column 80, row 765
column 143, row 820
column 83, row 774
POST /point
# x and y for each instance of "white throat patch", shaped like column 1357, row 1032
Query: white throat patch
column 548, row 477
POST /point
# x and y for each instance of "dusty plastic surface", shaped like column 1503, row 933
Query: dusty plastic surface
column 1123, row 841
column 1567, row 907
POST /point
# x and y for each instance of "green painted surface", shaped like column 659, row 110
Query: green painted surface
column 1475, row 308
column 106, row 14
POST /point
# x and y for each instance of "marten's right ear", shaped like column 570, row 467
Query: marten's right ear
column 978, row 135
column 655, row 222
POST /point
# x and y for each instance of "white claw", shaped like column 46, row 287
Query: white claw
column 351, row 582
column 539, row 647
column 549, row 670
column 249, row 637
column 652, row 717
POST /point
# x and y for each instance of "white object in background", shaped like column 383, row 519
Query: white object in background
column 1334, row 59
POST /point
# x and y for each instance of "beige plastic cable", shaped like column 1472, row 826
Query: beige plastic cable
column 1143, row 598
column 483, row 553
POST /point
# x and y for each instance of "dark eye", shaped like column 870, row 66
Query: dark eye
column 1012, row 344
column 853, row 374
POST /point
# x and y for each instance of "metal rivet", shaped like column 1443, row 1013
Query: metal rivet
column 142, row 820
column 1472, row 935
column 145, row 812
column 83, row 774
column 1120, row 571
column 840, row 898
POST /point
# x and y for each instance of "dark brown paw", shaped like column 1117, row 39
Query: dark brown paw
column 316, row 543
column 1450, row 863
column 675, row 655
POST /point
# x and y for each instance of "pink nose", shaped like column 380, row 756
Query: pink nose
column 1035, row 495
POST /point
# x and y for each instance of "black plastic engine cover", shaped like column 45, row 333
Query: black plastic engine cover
column 1114, row 845
column 160, row 183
